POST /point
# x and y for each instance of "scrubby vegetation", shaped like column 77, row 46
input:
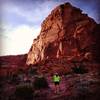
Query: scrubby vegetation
column 79, row 70
column 40, row 83
column 24, row 92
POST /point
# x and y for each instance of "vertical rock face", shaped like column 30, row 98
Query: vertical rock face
column 65, row 33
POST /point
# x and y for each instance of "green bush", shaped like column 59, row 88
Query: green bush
column 24, row 93
column 40, row 83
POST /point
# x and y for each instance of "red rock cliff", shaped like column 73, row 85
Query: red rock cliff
column 65, row 33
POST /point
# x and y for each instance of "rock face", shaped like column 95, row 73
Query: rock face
column 12, row 63
column 13, row 60
column 66, row 33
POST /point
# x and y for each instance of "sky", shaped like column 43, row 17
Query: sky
column 20, row 21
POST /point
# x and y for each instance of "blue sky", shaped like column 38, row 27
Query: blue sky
column 21, row 21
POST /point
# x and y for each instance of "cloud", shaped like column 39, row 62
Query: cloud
column 36, row 10
column 22, row 19
column 19, row 40
column 30, row 13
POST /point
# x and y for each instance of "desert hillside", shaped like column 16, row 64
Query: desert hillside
column 68, row 44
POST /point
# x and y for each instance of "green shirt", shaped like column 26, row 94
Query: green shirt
column 56, row 78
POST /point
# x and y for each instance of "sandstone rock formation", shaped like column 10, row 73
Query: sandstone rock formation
column 66, row 33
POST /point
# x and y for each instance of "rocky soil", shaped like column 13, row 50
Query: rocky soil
column 72, row 87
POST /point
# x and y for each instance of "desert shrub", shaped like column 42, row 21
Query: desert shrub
column 24, row 92
column 40, row 83
column 20, row 71
column 15, row 79
column 79, row 70
column 32, row 71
